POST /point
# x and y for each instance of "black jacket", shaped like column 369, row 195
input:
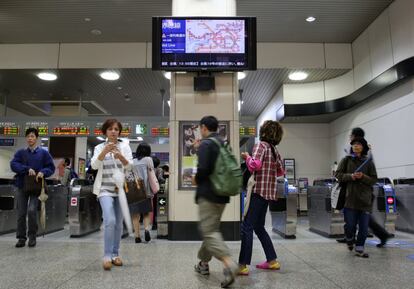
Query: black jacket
column 358, row 192
column 207, row 156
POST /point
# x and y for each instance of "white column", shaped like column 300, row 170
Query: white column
column 188, row 105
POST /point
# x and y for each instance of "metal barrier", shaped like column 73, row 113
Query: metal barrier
column 56, row 205
column 323, row 219
column 84, row 210
column 162, row 211
column 384, row 204
column 404, row 191
column 8, row 206
column 284, row 210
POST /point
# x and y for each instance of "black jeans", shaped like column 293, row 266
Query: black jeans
column 255, row 221
column 26, row 206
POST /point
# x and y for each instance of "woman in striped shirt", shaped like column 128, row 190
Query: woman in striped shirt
column 114, row 154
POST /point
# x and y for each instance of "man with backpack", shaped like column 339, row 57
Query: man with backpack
column 211, row 202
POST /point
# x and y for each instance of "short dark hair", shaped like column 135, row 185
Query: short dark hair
column 143, row 150
column 67, row 161
column 109, row 123
column 271, row 132
column 156, row 161
column 358, row 132
column 210, row 122
column 32, row 130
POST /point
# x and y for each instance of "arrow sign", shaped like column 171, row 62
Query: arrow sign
column 162, row 201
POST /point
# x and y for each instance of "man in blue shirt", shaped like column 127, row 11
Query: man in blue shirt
column 32, row 161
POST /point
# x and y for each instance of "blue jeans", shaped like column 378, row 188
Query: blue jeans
column 255, row 221
column 112, row 218
column 352, row 219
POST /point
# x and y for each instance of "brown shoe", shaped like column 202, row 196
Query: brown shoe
column 117, row 261
column 107, row 265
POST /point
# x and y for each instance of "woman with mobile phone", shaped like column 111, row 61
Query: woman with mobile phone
column 113, row 154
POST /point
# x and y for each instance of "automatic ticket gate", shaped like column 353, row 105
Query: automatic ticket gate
column 323, row 219
column 384, row 204
column 162, row 211
column 8, row 206
column 56, row 205
column 284, row 210
column 84, row 209
column 404, row 190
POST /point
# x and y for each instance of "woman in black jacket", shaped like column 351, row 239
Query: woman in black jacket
column 359, row 174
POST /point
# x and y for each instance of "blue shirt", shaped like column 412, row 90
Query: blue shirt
column 25, row 159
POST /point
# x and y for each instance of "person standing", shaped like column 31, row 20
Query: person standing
column 359, row 173
column 113, row 154
column 31, row 161
column 143, row 165
column 211, row 206
column 266, row 165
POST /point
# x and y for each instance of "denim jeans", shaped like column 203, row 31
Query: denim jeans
column 255, row 221
column 112, row 218
column 352, row 219
column 26, row 207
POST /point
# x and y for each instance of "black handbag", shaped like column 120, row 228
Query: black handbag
column 32, row 187
column 134, row 189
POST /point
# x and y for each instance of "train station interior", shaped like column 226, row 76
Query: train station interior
column 317, row 68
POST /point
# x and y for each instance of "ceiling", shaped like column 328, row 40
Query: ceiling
column 50, row 21
column 141, row 85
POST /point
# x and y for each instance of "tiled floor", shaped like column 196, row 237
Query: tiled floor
column 310, row 261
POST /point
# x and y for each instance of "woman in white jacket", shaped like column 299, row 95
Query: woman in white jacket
column 114, row 154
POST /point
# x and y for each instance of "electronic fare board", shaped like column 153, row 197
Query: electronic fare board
column 9, row 129
column 42, row 127
column 71, row 129
column 160, row 131
column 248, row 131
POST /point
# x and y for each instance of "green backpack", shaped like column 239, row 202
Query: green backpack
column 227, row 177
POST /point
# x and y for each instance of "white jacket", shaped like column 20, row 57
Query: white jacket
column 96, row 164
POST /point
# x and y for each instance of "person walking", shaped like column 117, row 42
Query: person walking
column 266, row 165
column 31, row 161
column 113, row 154
column 359, row 173
column 211, row 206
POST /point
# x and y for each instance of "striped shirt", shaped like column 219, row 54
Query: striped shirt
column 108, row 185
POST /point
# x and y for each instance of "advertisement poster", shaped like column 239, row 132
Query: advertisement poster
column 190, row 139
column 81, row 168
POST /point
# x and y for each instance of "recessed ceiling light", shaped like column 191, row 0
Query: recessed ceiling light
column 48, row 76
column 297, row 76
column 241, row 75
column 109, row 75
column 96, row 32
column 310, row 19
column 167, row 75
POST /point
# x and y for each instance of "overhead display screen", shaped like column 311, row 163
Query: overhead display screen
column 9, row 128
column 204, row 43
column 42, row 127
column 71, row 128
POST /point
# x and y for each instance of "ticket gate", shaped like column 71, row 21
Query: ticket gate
column 84, row 209
column 8, row 206
column 404, row 191
column 303, row 196
column 323, row 219
column 56, row 205
column 284, row 210
column 162, row 211
column 384, row 204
